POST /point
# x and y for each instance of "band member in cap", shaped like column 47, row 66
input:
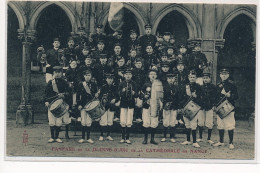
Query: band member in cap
column 87, row 66
column 170, row 106
column 100, row 50
column 166, row 40
column 81, row 38
column 101, row 68
column 117, row 38
column 71, row 52
column 159, row 45
column 151, row 98
column 183, row 55
column 182, row 76
column 226, row 90
column 150, row 58
column 198, row 62
column 53, row 57
column 108, row 97
column 132, row 42
column 132, row 55
column 164, row 72
column 57, row 88
column 99, row 35
column 116, row 55
column 148, row 38
column 191, row 91
column 138, row 77
column 208, row 94
column 119, row 70
column 127, row 94
column 87, row 91
column 85, row 52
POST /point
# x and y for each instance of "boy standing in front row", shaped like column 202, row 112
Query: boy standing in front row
column 226, row 88
column 57, row 88
column 191, row 91
column 170, row 106
column 87, row 90
column 128, row 94
column 208, row 101
column 108, row 97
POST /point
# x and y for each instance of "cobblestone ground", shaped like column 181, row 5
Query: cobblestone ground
column 38, row 135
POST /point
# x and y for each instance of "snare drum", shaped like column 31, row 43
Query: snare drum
column 191, row 109
column 224, row 109
column 94, row 109
column 58, row 108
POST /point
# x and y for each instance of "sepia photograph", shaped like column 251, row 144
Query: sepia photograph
column 113, row 80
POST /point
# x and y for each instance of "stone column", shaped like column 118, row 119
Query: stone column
column 24, row 113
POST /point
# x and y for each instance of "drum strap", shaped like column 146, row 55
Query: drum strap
column 87, row 89
column 188, row 91
column 54, row 86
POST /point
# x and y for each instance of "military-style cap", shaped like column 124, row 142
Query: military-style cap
column 70, row 38
column 206, row 72
column 103, row 56
column 87, row 71
column 138, row 60
column 224, row 70
column 148, row 44
column 171, row 75
column 110, row 75
column 100, row 26
column 152, row 70
column 147, row 26
column 192, row 72
column 88, row 57
column 164, row 54
column 160, row 36
column 180, row 62
column 182, row 46
column 166, row 33
column 170, row 47
column 117, row 44
column 128, row 70
column 197, row 44
column 132, row 31
column 85, row 47
column 100, row 41
column 120, row 57
column 56, row 39
column 165, row 64
column 57, row 68
column 81, row 28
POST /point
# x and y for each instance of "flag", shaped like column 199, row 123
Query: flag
column 116, row 15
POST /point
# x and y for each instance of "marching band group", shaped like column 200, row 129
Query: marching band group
column 106, row 78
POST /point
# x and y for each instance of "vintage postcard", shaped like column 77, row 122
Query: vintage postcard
column 113, row 80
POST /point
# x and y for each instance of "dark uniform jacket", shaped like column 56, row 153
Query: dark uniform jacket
column 145, row 39
column 96, row 54
column 197, row 59
column 71, row 53
column 118, row 78
column 52, row 59
column 208, row 96
column 96, row 37
column 73, row 75
column 127, row 99
column 138, row 78
column 62, row 86
column 228, row 86
column 184, row 98
column 144, row 92
column 182, row 78
column 170, row 95
column 150, row 59
column 82, row 58
column 162, row 76
column 84, row 68
column 99, row 73
column 108, row 93
column 82, row 96
column 132, row 44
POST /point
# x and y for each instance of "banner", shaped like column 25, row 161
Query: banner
column 116, row 15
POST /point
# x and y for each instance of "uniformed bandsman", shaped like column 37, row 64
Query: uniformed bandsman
column 226, row 89
column 148, row 38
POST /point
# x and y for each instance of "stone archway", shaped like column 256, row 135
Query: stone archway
column 191, row 21
column 229, row 17
column 39, row 9
column 138, row 17
column 18, row 13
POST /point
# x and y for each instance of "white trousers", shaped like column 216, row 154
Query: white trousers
column 107, row 118
column 126, row 117
column 192, row 124
column 227, row 123
column 149, row 121
column 85, row 118
column 169, row 118
column 53, row 121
